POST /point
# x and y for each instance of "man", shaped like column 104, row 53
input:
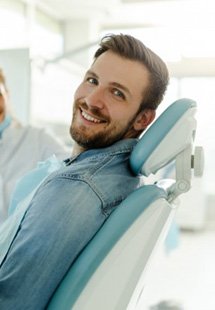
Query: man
column 113, row 105
column 21, row 147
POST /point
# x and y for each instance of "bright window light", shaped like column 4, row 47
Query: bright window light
column 12, row 34
column 45, row 43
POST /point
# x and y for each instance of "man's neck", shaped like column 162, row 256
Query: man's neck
column 77, row 149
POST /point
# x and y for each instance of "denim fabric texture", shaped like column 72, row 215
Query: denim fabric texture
column 58, row 220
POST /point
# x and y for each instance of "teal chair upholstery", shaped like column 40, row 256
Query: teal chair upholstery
column 110, row 272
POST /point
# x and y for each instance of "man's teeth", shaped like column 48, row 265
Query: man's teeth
column 90, row 118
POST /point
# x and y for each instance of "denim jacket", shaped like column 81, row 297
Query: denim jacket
column 56, row 218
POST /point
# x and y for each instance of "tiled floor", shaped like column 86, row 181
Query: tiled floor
column 186, row 275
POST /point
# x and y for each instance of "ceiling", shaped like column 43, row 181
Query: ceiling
column 118, row 10
column 65, row 10
column 179, row 17
column 131, row 12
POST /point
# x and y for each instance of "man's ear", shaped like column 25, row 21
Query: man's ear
column 143, row 119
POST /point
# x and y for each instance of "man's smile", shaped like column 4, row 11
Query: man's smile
column 90, row 118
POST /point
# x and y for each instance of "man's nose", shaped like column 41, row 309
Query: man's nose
column 95, row 99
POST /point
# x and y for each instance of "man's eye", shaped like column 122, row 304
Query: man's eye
column 92, row 81
column 118, row 93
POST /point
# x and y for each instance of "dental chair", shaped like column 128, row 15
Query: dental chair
column 110, row 273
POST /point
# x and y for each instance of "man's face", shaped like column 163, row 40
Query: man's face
column 3, row 97
column 106, row 103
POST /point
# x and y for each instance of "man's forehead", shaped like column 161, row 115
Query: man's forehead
column 113, row 62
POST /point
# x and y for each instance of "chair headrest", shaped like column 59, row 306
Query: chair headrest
column 171, row 133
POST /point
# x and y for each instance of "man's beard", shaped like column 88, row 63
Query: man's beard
column 103, row 138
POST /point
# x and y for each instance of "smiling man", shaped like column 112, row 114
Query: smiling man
column 61, row 205
column 107, row 103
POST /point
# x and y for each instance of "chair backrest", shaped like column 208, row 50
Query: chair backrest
column 170, row 134
column 109, row 273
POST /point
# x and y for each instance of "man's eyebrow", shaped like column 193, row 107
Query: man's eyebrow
column 90, row 72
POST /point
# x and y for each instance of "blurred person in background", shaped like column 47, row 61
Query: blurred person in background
column 21, row 147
